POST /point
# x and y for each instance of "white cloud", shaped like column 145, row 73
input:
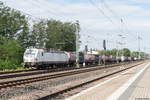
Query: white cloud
column 141, row 1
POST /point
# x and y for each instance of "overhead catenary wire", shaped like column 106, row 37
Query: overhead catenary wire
column 123, row 21
column 118, row 17
column 49, row 11
column 101, row 11
column 110, row 10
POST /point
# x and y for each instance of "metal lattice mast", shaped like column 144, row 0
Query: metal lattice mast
column 77, row 44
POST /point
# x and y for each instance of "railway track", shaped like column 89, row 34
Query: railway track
column 21, row 73
column 29, row 73
column 17, row 71
column 54, row 95
column 12, row 83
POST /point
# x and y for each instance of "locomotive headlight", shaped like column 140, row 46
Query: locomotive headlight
column 32, row 63
column 24, row 59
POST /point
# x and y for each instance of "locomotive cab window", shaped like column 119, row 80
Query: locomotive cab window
column 42, row 54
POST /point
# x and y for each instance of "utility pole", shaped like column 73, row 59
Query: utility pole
column 123, row 39
column 117, row 47
column 77, row 44
column 121, row 43
column 85, row 52
column 144, row 53
column 104, row 46
column 139, row 49
column 122, row 36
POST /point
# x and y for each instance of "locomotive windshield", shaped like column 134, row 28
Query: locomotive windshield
column 30, row 52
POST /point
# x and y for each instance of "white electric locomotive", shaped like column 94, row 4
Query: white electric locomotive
column 39, row 58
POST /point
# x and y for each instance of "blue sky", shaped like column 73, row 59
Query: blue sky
column 96, row 26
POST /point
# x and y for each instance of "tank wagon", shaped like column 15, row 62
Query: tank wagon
column 89, row 59
column 92, row 58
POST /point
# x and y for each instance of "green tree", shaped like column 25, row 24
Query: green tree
column 14, row 33
column 126, row 52
column 114, row 52
column 25, row 37
column 39, row 35
column 61, row 35
column 105, row 52
column 135, row 54
column 54, row 34
column 69, row 35
column 13, row 25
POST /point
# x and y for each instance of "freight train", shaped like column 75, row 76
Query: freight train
column 43, row 58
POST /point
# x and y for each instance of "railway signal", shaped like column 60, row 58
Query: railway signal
column 104, row 44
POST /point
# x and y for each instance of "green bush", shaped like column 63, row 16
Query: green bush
column 11, row 54
column 7, row 65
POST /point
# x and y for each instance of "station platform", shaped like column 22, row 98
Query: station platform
column 133, row 84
